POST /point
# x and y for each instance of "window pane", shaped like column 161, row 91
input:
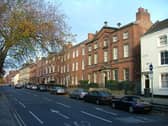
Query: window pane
column 164, row 80
column 164, row 57
column 115, row 53
column 105, row 56
column 163, row 40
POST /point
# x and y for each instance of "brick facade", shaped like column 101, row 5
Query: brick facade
column 113, row 53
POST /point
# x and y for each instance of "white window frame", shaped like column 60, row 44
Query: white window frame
column 89, row 48
column 126, row 51
column 164, row 58
column 95, row 77
column 105, row 56
column 115, row 38
column 95, row 58
column 161, row 84
column 89, row 78
column 76, row 66
column 73, row 54
column 125, row 35
column 115, row 53
column 89, row 60
column 83, row 64
column 114, row 73
column 95, row 45
column 163, row 40
column 105, row 43
column 77, row 53
column 125, row 74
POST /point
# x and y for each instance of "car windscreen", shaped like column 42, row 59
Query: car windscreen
column 104, row 94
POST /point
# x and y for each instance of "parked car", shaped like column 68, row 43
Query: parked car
column 34, row 87
column 28, row 86
column 18, row 86
column 131, row 104
column 58, row 90
column 78, row 93
column 42, row 87
column 98, row 97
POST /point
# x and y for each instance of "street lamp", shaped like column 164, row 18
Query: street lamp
column 151, row 73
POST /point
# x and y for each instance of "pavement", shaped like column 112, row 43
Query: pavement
column 6, row 118
column 157, row 100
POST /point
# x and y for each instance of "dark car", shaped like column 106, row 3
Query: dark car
column 58, row 90
column 18, row 86
column 98, row 97
column 131, row 104
column 78, row 93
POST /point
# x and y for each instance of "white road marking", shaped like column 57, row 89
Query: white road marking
column 95, row 116
column 60, row 114
column 64, row 105
column 102, row 110
column 22, row 104
column 75, row 123
column 19, row 119
column 36, row 117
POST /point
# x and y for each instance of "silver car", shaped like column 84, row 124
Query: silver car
column 78, row 93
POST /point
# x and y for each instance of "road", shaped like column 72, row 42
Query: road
column 33, row 108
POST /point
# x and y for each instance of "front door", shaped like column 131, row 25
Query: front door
column 147, row 81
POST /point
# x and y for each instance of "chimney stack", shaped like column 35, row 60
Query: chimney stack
column 90, row 36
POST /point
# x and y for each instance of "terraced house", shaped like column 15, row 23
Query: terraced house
column 112, row 53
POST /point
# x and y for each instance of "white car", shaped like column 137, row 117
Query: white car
column 34, row 87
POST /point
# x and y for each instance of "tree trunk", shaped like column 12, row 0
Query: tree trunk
column 2, row 60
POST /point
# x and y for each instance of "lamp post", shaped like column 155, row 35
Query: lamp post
column 151, row 74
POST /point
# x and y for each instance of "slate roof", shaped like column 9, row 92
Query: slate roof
column 159, row 25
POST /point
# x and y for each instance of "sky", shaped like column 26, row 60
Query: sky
column 88, row 16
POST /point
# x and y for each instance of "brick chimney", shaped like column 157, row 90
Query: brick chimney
column 90, row 36
column 143, row 18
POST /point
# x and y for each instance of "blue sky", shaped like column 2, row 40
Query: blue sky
column 86, row 16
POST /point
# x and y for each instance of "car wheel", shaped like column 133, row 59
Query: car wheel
column 113, row 105
column 131, row 109
column 97, row 102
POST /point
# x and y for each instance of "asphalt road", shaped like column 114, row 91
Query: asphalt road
column 33, row 108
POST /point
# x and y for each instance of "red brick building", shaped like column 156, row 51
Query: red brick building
column 113, row 53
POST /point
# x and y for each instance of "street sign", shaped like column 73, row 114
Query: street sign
column 151, row 67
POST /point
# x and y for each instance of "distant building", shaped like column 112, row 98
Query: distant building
column 9, row 79
column 154, row 50
column 24, row 74
column 16, row 79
